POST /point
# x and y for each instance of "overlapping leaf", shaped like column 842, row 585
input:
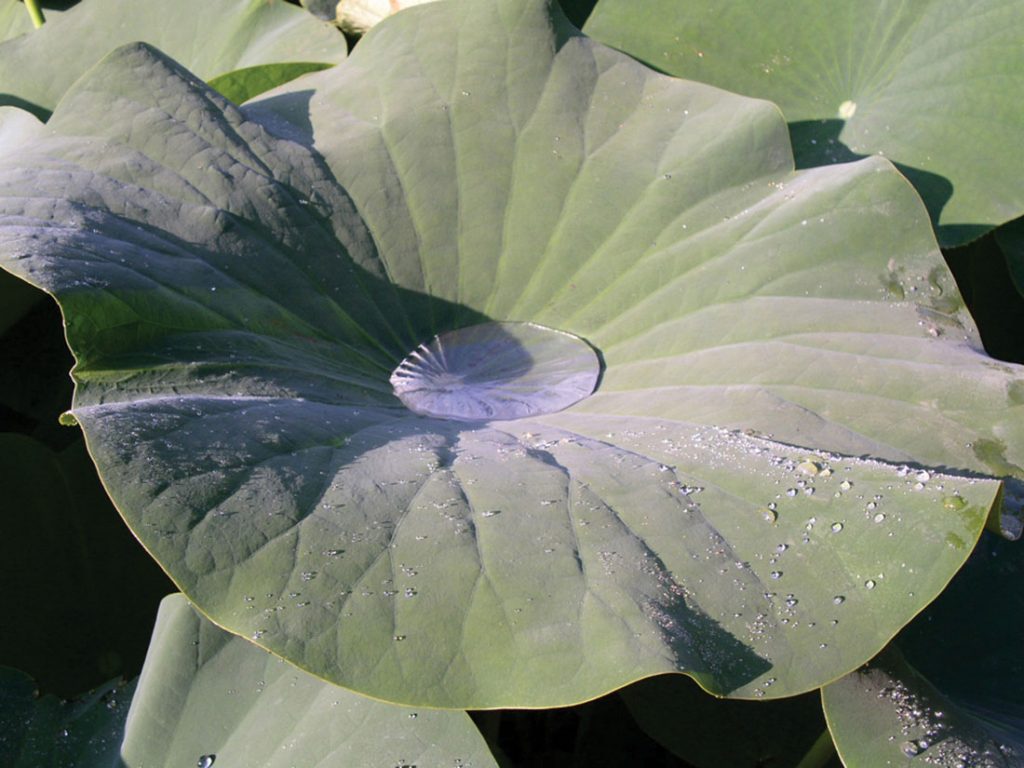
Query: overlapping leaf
column 237, row 297
column 208, row 697
column 928, row 84
column 212, row 39
column 945, row 696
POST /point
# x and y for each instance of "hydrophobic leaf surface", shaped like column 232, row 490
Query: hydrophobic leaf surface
column 792, row 447
column 927, row 84
column 205, row 693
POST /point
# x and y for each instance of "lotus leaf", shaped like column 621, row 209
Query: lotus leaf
column 924, row 83
column 794, row 443
column 213, row 39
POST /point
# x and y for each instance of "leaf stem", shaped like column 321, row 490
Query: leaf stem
column 35, row 12
column 820, row 753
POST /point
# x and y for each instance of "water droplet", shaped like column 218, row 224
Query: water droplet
column 880, row 517
column 847, row 109
column 205, row 761
column 791, row 492
column 776, row 574
column 769, row 515
column 490, row 512
column 911, row 748
column 496, row 371
column 846, row 485
column 954, row 503
column 808, row 468
column 839, row 599
column 837, row 527
column 869, row 584
column 398, row 638
column 923, row 476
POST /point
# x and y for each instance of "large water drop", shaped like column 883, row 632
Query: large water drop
column 497, row 371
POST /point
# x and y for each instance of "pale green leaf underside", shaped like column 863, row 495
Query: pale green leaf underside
column 237, row 301
column 211, row 38
column 887, row 714
column 932, row 85
column 206, row 692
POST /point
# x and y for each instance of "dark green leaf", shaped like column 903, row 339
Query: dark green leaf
column 243, row 84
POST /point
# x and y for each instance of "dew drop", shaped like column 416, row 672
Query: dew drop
column 869, row 584
column 846, row 485
column 954, row 503
column 880, row 517
column 839, row 599
column 490, row 513
column 808, row 468
column 911, row 748
column 847, row 109
column 769, row 515
column 205, row 761
column 776, row 575
column 837, row 527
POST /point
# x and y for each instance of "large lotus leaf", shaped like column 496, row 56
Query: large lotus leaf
column 928, row 84
column 46, row 731
column 206, row 693
column 211, row 38
column 888, row 714
column 237, row 302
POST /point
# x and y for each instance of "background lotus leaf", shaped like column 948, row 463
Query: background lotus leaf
column 238, row 286
column 205, row 693
column 213, row 39
column 888, row 714
column 943, row 694
column 925, row 83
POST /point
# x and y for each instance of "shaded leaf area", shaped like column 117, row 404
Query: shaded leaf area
column 595, row 733
column 237, row 300
column 948, row 693
column 926, row 84
column 991, row 585
column 45, row 730
column 710, row 732
column 76, row 583
column 243, row 84
column 887, row 714
column 986, row 271
column 1010, row 239
column 206, row 692
column 213, row 39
